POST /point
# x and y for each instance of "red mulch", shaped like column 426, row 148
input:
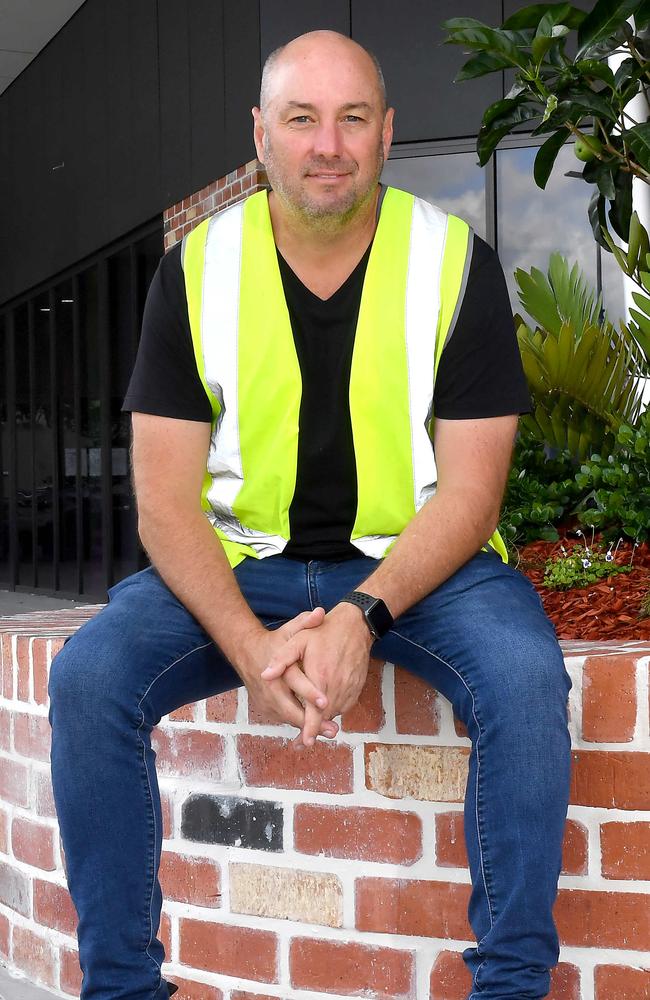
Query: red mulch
column 608, row 609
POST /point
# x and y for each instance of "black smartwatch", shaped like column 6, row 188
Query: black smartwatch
column 378, row 617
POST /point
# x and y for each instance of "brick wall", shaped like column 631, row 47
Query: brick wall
column 186, row 214
column 278, row 866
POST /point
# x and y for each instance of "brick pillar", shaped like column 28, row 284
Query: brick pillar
column 179, row 219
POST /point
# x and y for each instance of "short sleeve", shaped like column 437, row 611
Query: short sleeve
column 480, row 372
column 165, row 379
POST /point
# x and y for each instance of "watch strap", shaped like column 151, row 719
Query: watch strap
column 378, row 617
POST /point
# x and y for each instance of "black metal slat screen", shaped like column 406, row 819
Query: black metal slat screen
column 67, row 349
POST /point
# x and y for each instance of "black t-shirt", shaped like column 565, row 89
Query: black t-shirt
column 480, row 375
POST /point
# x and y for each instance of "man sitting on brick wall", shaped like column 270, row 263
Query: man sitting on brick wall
column 324, row 405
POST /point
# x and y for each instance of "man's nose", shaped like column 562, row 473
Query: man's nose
column 327, row 139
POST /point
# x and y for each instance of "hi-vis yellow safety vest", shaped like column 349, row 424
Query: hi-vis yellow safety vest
column 245, row 355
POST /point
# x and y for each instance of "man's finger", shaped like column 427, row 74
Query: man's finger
column 283, row 658
column 306, row 619
column 303, row 688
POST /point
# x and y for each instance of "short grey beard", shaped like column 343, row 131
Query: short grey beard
column 320, row 218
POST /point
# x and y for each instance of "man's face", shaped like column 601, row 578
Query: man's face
column 323, row 136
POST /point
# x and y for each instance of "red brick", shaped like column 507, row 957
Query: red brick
column 230, row 950
column 575, row 850
column 32, row 736
column 189, row 753
column 5, row 729
column 609, row 699
column 4, row 832
column 187, row 713
column 413, row 906
column 190, row 880
column 450, row 978
column 603, row 919
column 222, row 707
column 14, row 781
column 367, row 716
column 238, row 995
column 70, row 972
column 4, row 936
column 565, row 982
column 620, row 982
column 416, row 705
column 611, row 779
column 53, row 907
column 33, row 843
column 188, row 990
column 365, row 834
column 42, row 795
column 7, row 667
column 22, row 660
column 272, row 761
column 34, row 955
column 346, row 967
column 39, row 670
column 167, row 807
column 165, row 934
column 626, row 850
column 450, row 841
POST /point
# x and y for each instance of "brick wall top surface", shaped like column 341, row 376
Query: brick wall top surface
column 53, row 624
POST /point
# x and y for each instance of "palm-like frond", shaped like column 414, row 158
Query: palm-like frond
column 583, row 373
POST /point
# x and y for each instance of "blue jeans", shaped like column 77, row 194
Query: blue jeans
column 482, row 639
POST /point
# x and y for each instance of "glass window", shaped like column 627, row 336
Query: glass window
column 24, row 452
column 70, row 460
column 5, row 568
column 90, row 435
column 532, row 223
column 42, row 442
column 453, row 181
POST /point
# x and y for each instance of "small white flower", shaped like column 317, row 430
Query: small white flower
column 586, row 563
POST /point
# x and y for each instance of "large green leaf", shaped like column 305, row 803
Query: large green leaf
column 597, row 217
column 597, row 71
column 588, row 100
column 602, row 21
column 620, row 210
column 638, row 139
column 500, row 109
column 489, row 137
column 547, row 155
column 480, row 65
column 642, row 15
column 476, row 35
column 529, row 17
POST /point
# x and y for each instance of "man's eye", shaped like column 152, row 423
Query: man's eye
column 301, row 119
column 352, row 118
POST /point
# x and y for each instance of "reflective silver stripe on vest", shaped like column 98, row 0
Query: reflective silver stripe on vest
column 428, row 229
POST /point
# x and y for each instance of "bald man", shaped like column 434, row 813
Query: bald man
column 303, row 509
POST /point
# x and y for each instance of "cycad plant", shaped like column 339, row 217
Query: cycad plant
column 584, row 374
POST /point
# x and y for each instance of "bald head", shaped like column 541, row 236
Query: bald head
column 312, row 47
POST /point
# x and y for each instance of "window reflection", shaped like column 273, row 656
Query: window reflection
column 532, row 223
column 453, row 181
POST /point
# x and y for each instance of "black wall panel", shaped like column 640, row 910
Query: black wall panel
column 242, row 70
column 175, row 118
column 419, row 70
column 282, row 20
column 206, row 90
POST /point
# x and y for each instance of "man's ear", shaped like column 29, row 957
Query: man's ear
column 387, row 131
column 258, row 133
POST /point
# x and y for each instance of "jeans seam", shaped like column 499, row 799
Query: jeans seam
column 146, row 771
column 478, row 772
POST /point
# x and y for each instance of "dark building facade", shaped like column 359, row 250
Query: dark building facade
column 130, row 126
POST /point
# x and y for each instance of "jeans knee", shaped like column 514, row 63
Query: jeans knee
column 79, row 683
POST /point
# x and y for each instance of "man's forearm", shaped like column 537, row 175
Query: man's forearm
column 190, row 558
column 448, row 530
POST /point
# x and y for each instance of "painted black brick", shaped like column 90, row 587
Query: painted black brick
column 224, row 819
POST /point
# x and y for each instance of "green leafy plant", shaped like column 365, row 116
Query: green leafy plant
column 584, row 375
column 616, row 487
column 580, row 97
column 540, row 493
column 579, row 568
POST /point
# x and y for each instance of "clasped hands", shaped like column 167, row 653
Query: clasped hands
column 316, row 668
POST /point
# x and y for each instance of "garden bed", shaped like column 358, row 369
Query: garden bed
column 610, row 608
